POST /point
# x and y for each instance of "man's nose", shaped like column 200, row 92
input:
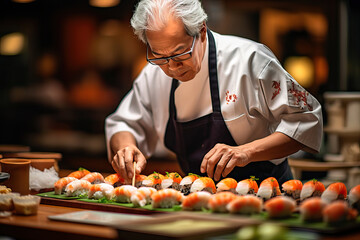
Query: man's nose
column 173, row 65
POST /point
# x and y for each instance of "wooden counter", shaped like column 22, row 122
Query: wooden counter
column 40, row 227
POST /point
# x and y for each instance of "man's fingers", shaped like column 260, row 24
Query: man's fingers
column 229, row 167
column 205, row 161
column 140, row 163
column 129, row 162
column 221, row 166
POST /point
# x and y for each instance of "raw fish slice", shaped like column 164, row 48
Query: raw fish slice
column 219, row 201
column 312, row 188
column 248, row 204
column 94, row 178
column 280, row 207
column 334, row 192
column 292, row 188
column 82, row 172
column 311, row 209
column 203, row 184
column 247, row 186
column 196, row 201
column 166, row 198
column 115, row 180
column 226, row 185
column 338, row 212
column 269, row 188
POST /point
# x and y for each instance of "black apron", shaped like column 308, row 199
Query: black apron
column 193, row 139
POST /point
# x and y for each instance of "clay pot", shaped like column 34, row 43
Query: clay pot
column 37, row 155
column 19, row 174
column 42, row 164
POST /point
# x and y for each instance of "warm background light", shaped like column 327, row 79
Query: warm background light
column 12, row 44
column 104, row 3
column 302, row 69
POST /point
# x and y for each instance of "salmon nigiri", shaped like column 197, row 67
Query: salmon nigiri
column 166, row 198
column 142, row 196
column 196, row 201
column 61, row 184
column 82, row 172
column 171, row 180
column 226, row 185
column 338, row 212
column 100, row 190
column 247, row 204
column 203, row 184
column 153, row 180
column 312, row 188
column 247, row 186
column 219, row 201
column 354, row 197
column 115, row 179
column 334, row 192
column 186, row 183
column 269, row 188
column 292, row 188
column 280, row 207
column 311, row 209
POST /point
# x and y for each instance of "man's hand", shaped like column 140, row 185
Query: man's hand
column 225, row 158
column 125, row 153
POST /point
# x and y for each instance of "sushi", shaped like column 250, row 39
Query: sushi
column 248, row 204
column 203, row 184
column 171, row 180
column 269, row 188
column 335, row 191
column 82, row 172
column 123, row 193
column 312, row 188
column 153, row 180
column 292, row 188
column 77, row 188
column 60, row 185
column 142, row 196
column 247, row 186
column 311, row 209
column 100, row 190
column 219, row 201
column 196, row 201
column 226, row 185
column 94, row 178
column 166, row 198
column 338, row 212
column 115, row 180
column 354, row 197
column 138, row 180
column 280, row 207
column 186, row 182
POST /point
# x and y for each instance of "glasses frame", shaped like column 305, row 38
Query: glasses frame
column 167, row 59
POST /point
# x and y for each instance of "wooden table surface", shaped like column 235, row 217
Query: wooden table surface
column 40, row 227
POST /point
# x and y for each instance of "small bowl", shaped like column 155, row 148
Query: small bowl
column 26, row 205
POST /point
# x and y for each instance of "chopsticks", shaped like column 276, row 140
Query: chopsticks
column 133, row 179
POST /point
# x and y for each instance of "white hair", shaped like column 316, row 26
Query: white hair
column 153, row 15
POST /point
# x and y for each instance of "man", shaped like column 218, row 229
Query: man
column 223, row 104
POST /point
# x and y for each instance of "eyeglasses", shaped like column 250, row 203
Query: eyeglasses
column 177, row 58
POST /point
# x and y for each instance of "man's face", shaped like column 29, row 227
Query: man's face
column 173, row 40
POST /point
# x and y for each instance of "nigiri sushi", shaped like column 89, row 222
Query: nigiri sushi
column 338, row 212
column 115, row 180
column 153, row 180
column 60, row 185
column 123, row 193
column 82, row 172
column 311, row 209
column 226, row 185
column 196, row 201
column 219, row 201
column 166, row 198
column 171, row 180
column 354, row 197
column 269, row 188
column 186, row 182
column 335, row 191
column 280, row 207
column 139, row 178
column 292, row 188
column 248, row 204
column 77, row 188
column 203, row 184
column 312, row 188
column 94, row 178
column 100, row 190
column 142, row 196
column 247, row 186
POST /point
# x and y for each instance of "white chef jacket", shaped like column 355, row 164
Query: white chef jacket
column 258, row 97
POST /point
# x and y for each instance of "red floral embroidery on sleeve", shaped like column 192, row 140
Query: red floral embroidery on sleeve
column 300, row 96
column 277, row 87
column 230, row 97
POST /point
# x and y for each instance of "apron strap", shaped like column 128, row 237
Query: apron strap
column 214, row 88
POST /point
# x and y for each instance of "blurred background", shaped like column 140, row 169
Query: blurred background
column 65, row 65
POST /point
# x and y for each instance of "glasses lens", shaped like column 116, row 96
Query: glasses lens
column 158, row 61
column 182, row 57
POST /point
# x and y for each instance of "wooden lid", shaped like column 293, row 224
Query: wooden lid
column 13, row 148
column 38, row 155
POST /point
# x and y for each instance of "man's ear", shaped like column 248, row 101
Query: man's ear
column 203, row 32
